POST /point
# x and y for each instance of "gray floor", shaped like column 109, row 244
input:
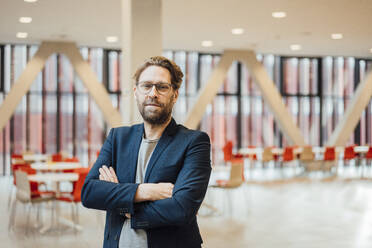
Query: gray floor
column 335, row 212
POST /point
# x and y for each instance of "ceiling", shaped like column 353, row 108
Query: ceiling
column 186, row 23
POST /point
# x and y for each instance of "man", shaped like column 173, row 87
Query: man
column 151, row 178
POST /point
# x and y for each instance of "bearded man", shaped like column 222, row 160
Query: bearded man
column 151, row 178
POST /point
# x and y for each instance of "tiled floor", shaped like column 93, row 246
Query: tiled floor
column 290, row 213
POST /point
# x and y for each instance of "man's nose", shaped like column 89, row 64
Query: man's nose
column 153, row 92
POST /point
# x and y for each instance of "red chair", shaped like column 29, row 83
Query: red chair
column 57, row 157
column 330, row 154
column 288, row 155
column 227, row 151
column 75, row 196
column 349, row 154
column 329, row 158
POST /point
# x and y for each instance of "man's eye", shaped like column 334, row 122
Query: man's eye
column 163, row 87
column 147, row 86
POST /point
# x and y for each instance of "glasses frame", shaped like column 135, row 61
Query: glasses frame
column 138, row 85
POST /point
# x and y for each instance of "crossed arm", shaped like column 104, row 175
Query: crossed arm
column 145, row 191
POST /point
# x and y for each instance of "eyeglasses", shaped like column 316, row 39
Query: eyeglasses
column 146, row 87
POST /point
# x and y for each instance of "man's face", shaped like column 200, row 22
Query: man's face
column 155, row 107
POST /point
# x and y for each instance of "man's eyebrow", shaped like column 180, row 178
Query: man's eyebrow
column 148, row 81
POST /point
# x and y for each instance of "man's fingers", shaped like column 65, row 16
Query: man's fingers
column 113, row 174
column 105, row 173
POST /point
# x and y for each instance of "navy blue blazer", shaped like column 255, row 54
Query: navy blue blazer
column 181, row 157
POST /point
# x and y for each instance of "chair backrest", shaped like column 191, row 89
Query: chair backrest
column 267, row 154
column 57, row 157
column 369, row 153
column 17, row 166
column 330, row 153
column 236, row 173
column 307, row 154
column 227, row 151
column 288, row 154
column 76, row 192
column 349, row 153
column 23, row 186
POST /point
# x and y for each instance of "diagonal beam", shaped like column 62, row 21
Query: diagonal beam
column 35, row 65
column 209, row 91
column 353, row 113
column 90, row 81
column 268, row 89
column 23, row 83
column 272, row 98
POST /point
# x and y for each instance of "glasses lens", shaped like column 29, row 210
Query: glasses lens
column 161, row 88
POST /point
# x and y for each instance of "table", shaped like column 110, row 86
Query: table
column 35, row 157
column 56, row 178
column 316, row 149
column 55, row 166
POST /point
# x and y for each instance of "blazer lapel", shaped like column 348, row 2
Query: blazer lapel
column 133, row 156
column 162, row 144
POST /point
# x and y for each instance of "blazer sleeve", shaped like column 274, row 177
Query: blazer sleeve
column 105, row 195
column 188, row 193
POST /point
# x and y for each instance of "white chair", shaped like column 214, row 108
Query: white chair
column 235, row 181
column 23, row 195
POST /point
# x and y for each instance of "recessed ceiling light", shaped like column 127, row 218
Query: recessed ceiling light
column 30, row 1
column 207, row 43
column 295, row 47
column 112, row 39
column 25, row 19
column 22, row 35
column 279, row 14
column 336, row 36
column 237, row 31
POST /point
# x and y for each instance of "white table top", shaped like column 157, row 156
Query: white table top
column 54, row 177
column 55, row 166
column 316, row 149
column 35, row 157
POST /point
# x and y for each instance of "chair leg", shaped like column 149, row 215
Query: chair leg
column 10, row 196
column 28, row 219
column 77, row 213
column 12, row 214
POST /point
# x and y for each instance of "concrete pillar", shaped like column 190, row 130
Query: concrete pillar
column 141, row 38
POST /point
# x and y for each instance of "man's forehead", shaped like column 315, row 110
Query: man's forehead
column 155, row 74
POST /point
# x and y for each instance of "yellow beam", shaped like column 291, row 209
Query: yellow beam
column 36, row 64
column 353, row 113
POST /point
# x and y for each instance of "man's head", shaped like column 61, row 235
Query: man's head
column 156, row 89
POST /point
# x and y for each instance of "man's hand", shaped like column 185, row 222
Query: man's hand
column 153, row 192
column 107, row 174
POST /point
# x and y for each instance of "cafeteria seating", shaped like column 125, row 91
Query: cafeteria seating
column 235, row 180
column 329, row 159
column 25, row 195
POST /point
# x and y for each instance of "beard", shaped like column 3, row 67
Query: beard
column 158, row 116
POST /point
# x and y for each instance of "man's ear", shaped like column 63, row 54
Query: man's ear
column 175, row 96
column 134, row 92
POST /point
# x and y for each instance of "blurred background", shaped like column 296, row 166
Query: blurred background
column 267, row 189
